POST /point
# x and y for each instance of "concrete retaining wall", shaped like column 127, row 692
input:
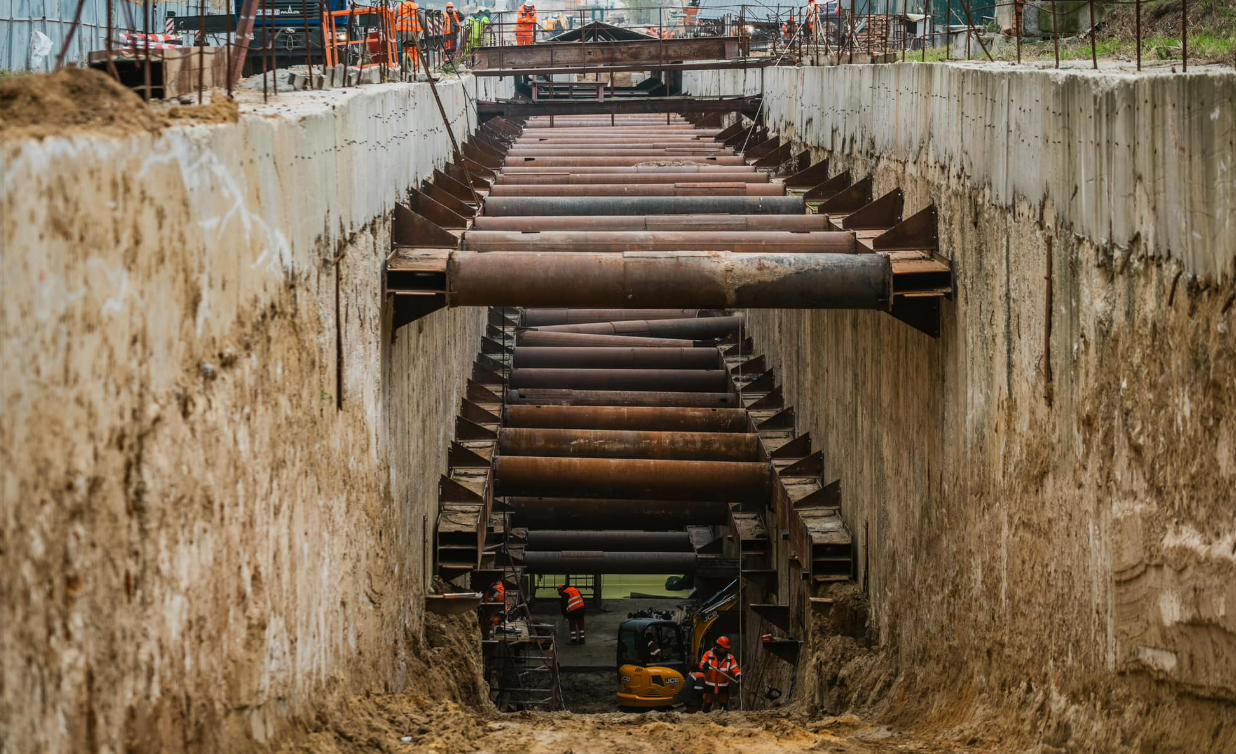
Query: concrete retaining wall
column 1044, row 492
column 219, row 468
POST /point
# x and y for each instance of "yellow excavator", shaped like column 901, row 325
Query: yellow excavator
column 654, row 682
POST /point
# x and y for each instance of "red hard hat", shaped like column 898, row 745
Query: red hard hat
column 724, row 642
column 561, row 587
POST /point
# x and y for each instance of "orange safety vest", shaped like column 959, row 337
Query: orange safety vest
column 713, row 667
column 408, row 19
column 453, row 22
column 575, row 600
column 497, row 592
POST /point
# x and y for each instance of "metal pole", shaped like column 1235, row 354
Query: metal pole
column 1055, row 32
column 446, row 121
column 1184, row 33
column 1094, row 55
column 244, row 31
column 68, row 40
column 1138, row 30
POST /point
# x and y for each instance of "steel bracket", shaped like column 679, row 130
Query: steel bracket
column 918, row 231
column 411, row 229
column 851, row 199
column 828, row 189
column 810, row 176
column 883, row 213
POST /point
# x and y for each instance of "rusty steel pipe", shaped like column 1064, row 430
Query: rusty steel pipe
column 765, row 242
column 554, row 397
column 588, row 141
column 568, row 513
column 659, row 223
column 600, row 148
column 704, row 279
column 632, row 170
column 716, row 188
column 677, row 380
column 548, row 540
column 624, row 443
column 538, row 339
column 590, row 179
column 531, row 206
column 652, row 419
column 695, row 328
column 616, row 358
column 615, row 161
column 536, row 476
column 539, row 317
column 568, row 561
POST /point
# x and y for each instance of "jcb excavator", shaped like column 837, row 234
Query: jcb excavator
column 649, row 682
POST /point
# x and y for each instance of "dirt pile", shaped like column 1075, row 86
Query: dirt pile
column 68, row 101
column 219, row 110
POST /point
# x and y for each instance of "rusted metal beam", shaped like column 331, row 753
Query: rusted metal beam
column 621, row 443
column 617, row 358
column 679, row 188
column 576, row 340
column 698, row 328
column 607, row 53
column 540, row 540
column 634, row 105
column 613, row 161
column 533, row 476
column 575, row 513
column 556, row 397
column 543, row 317
column 747, row 242
column 679, row 380
column 692, row 169
column 643, row 205
column 706, row 279
column 561, row 178
column 660, row 223
column 610, row 562
column 656, row 419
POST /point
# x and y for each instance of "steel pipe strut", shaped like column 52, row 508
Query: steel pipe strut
column 575, row 513
column 541, row 540
column 704, row 279
column 716, row 188
column 590, row 179
column 568, row 561
column 617, row 358
column 532, row 206
column 533, row 476
column 537, row 338
column 623, row 443
column 613, row 161
column 537, row 317
column 679, row 380
column 769, row 242
column 555, row 397
column 699, row 328
column 646, row 418
column 630, row 223
column 692, row 169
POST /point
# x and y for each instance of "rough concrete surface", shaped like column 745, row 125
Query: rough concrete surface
column 1044, row 493
column 219, row 473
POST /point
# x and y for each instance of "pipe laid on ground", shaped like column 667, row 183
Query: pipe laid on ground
column 673, row 380
column 624, row 443
column 616, row 358
column 703, row 279
column 570, row 513
column 539, row 317
column 560, row 397
column 568, row 561
column 658, row 223
column 538, row 339
column 536, row 476
column 542, row 540
column 768, row 242
column 696, row 328
column 531, row 206
column 654, row 419
column 717, row 188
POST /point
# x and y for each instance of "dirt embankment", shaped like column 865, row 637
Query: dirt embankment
column 81, row 100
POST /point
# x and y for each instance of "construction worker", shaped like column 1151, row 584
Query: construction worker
column 789, row 29
column 408, row 29
column 573, row 608
column 655, row 653
column 497, row 593
column 692, row 692
column 525, row 24
column 474, row 35
column 452, row 24
column 719, row 668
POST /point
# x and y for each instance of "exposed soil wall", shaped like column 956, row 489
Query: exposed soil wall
column 219, row 466
column 1044, row 493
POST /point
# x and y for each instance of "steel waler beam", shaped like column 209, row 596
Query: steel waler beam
column 777, row 242
column 676, row 380
column 613, row 541
column 692, row 169
column 534, row 476
column 630, row 223
column 617, row 358
column 567, row 561
column 539, row 339
column 575, row 513
column 620, row 443
column 562, row 397
column 699, row 328
column 639, row 189
column 529, row 206
column 707, row 279
column 627, row 417
column 611, row 161
column 589, row 179
column 540, row 317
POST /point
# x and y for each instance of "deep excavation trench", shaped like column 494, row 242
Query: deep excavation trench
column 601, row 444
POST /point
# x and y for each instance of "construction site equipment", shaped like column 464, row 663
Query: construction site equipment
column 377, row 45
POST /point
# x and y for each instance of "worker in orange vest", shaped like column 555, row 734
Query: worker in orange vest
column 525, row 24
column 789, row 29
column 573, row 609
column 408, row 29
column 719, row 668
column 452, row 23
